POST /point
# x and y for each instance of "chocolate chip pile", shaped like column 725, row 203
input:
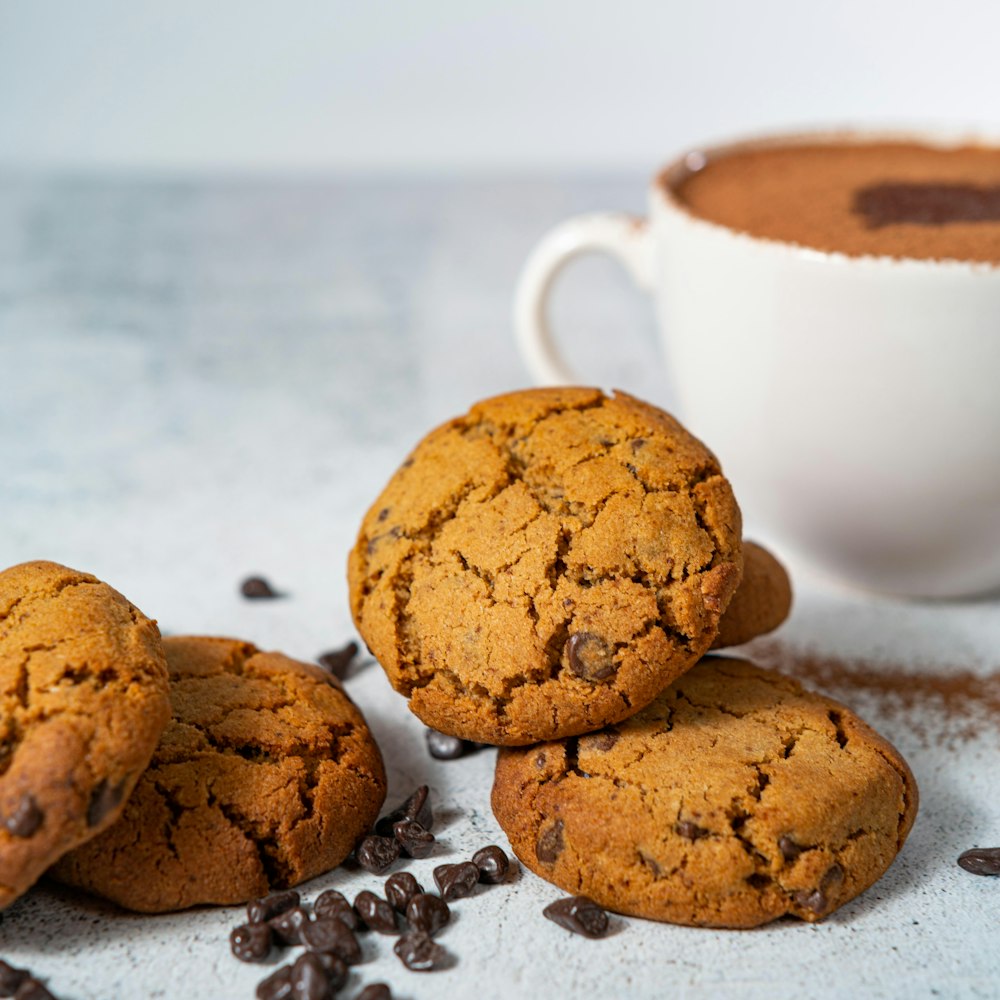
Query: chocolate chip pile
column 328, row 934
column 21, row 984
column 405, row 830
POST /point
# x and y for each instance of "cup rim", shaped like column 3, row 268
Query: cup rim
column 666, row 179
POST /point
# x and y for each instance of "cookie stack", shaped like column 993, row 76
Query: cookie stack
column 546, row 573
column 165, row 773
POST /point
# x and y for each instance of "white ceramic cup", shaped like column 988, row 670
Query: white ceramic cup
column 854, row 402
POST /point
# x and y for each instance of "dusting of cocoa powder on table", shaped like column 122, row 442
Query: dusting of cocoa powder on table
column 941, row 705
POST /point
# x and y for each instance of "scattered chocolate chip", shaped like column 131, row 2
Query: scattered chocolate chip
column 334, row 904
column 413, row 839
column 789, row 849
column 981, row 860
column 444, row 747
column 338, row 661
column 375, row 991
column 287, row 926
column 578, row 914
column 417, row 807
column 332, row 936
column 427, row 912
column 375, row 912
column 375, row 854
column 383, row 828
column 690, row 831
column 310, row 979
column 400, row 889
column 590, row 657
column 11, row 978
column 419, row 951
column 336, row 969
column 456, row 881
column 104, row 800
column 329, row 900
column 261, row 910
column 277, row 986
column 251, row 942
column 25, row 818
column 256, row 587
column 492, row 863
column 550, row 843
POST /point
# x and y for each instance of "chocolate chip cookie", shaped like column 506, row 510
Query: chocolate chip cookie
column 267, row 775
column 83, row 700
column 761, row 602
column 545, row 564
column 734, row 798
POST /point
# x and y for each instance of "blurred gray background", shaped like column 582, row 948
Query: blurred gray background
column 466, row 84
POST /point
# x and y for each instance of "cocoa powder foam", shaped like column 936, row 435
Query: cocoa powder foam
column 884, row 198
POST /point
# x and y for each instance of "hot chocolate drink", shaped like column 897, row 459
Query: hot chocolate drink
column 889, row 198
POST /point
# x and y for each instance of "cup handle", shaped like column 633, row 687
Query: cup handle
column 625, row 237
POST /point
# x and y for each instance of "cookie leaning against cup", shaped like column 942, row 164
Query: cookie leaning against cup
column 83, row 700
column 734, row 798
column 267, row 775
column 546, row 564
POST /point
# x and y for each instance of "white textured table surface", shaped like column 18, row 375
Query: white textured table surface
column 202, row 381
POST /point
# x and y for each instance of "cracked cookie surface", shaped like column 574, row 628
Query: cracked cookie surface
column 266, row 775
column 83, row 700
column 545, row 564
column 734, row 798
column 762, row 600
